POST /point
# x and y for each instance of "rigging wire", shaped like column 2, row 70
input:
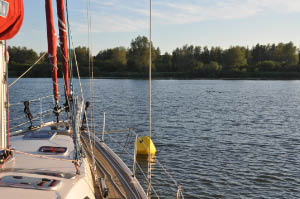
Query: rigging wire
column 49, row 112
column 33, row 100
column 77, row 68
column 91, row 73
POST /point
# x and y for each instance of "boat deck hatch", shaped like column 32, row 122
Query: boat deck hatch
column 56, row 174
column 29, row 182
column 39, row 135
column 52, row 150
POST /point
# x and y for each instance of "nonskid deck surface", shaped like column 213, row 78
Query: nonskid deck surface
column 118, row 177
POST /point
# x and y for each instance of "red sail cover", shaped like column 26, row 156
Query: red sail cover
column 63, row 42
column 52, row 46
column 11, row 18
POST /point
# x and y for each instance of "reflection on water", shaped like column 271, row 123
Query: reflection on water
column 218, row 139
column 142, row 157
column 143, row 163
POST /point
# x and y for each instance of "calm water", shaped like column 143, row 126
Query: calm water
column 219, row 139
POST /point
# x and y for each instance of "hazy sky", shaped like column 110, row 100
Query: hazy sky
column 175, row 23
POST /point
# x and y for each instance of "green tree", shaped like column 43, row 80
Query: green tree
column 286, row 54
column 82, row 56
column 138, row 55
column 22, row 55
column 111, row 60
column 215, row 54
column 268, row 66
column 205, row 55
column 235, row 58
column 164, row 63
column 212, row 69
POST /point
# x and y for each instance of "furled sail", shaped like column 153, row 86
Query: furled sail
column 52, row 49
column 63, row 43
column 11, row 18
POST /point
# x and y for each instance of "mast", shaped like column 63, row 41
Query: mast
column 10, row 23
column 63, row 44
column 3, row 96
column 52, row 49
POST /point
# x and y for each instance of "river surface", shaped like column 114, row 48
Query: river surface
column 217, row 138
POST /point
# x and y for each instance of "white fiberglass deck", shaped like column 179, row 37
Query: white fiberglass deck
column 26, row 176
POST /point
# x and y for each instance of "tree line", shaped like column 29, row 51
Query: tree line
column 266, row 61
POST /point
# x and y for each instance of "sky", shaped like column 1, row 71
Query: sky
column 175, row 23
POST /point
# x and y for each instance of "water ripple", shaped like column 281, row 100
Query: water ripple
column 219, row 139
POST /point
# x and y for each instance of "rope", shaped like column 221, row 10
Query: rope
column 27, row 70
column 37, row 156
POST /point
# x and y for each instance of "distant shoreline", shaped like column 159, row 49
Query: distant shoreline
column 195, row 76
column 191, row 76
column 261, row 62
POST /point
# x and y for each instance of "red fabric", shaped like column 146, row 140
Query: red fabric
column 52, row 50
column 11, row 23
column 63, row 42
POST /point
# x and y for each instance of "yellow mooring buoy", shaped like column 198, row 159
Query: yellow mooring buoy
column 143, row 146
